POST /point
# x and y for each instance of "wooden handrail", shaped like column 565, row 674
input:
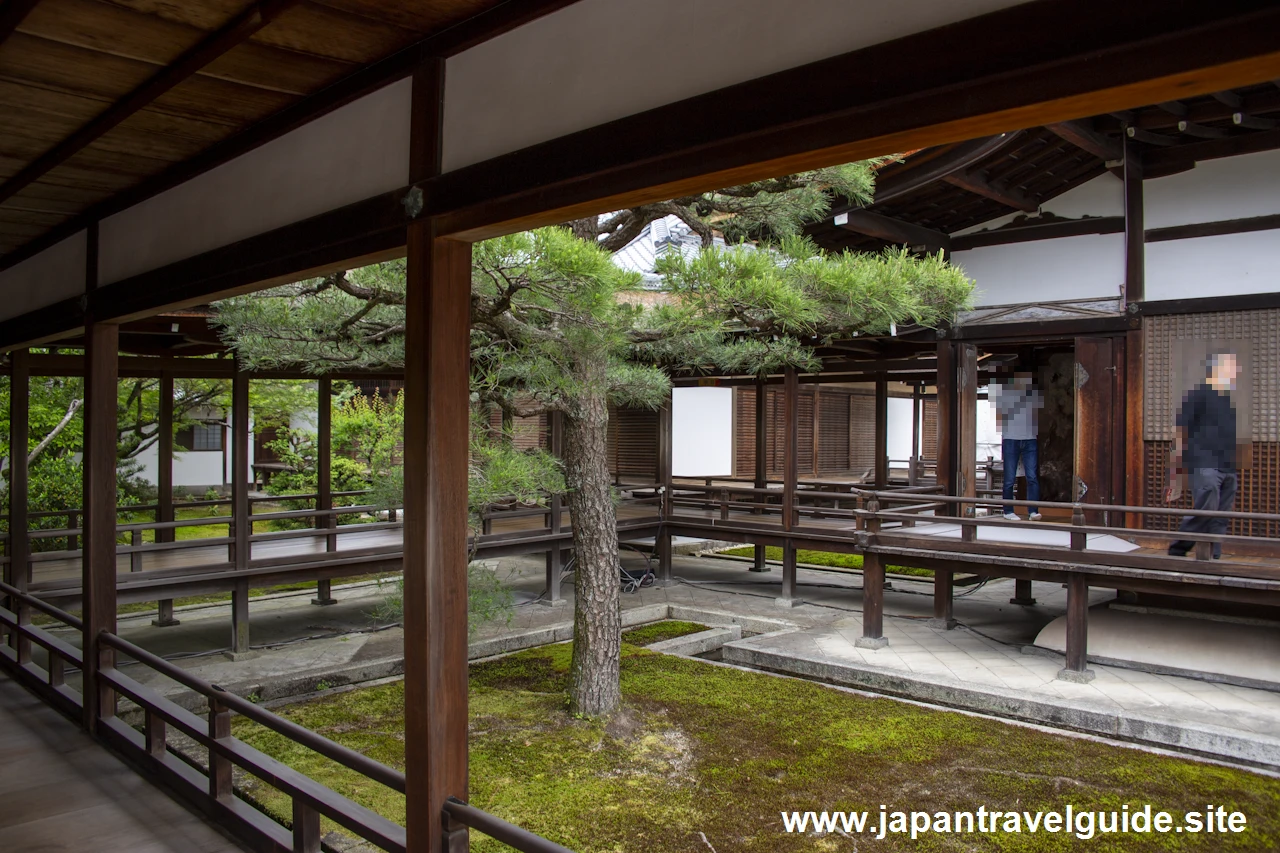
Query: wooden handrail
column 495, row 827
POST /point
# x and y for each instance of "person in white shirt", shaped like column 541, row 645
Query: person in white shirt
column 1018, row 405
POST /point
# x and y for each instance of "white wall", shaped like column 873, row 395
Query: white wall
column 55, row 274
column 702, row 432
column 1102, row 196
column 351, row 154
column 1227, row 188
column 594, row 61
column 1069, row 268
column 1214, row 266
column 900, row 429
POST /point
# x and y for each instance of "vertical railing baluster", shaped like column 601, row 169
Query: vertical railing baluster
column 306, row 828
column 219, row 765
column 135, row 558
column 56, row 669
column 156, row 742
column 1079, row 540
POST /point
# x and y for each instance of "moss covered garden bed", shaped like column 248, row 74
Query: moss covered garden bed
column 826, row 560
column 705, row 757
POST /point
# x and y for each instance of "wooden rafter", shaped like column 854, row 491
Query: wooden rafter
column 975, row 183
column 1082, row 135
column 890, row 230
column 213, row 47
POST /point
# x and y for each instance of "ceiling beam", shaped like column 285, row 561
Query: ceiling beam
column 1009, row 196
column 12, row 15
column 238, row 30
column 1082, row 135
column 891, row 230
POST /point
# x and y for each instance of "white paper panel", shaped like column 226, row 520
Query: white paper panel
column 600, row 60
column 55, row 274
column 702, row 432
column 349, row 155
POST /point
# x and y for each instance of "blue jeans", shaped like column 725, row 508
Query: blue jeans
column 1026, row 449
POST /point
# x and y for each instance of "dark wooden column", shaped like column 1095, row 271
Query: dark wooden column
column 1134, row 447
column 966, row 450
column 762, row 461
column 663, row 543
column 872, row 591
column 324, row 479
column 435, row 534
column 241, row 524
column 882, row 433
column 555, row 517
column 164, row 488
column 790, row 474
column 98, row 554
column 943, row 600
column 1134, row 227
column 947, row 405
column 1076, row 667
column 19, row 551
column 913, row 465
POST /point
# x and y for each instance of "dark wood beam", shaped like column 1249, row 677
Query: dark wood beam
column 1082, row 135
column 98, row 557
column 1135, row 251
column 1047, row 231
column 1268, row 222
column 213, row 47
column 12, row 15
column 891, row 230
column 1009, row 196
column 1183, row 155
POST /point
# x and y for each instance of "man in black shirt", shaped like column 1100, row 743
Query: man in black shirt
column 1205, row 449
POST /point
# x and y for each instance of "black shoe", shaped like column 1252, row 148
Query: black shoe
column 1180, row 549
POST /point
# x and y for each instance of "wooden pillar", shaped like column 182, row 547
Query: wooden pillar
column 1134, row 227
column 947, row 405
column 241, row 524
column 943, row 600
column 872, row 603
column 663, row 543
column 555, row 518
column 882, row 433
column 790, row 474
column 913, row 465
column 1022, row 593
column 164, row 489
column 762, row 462
column 324, row 481
column 967, row 424
column 98, row 554
column 1077, row 664
column 1134, row 445
column 17, row 570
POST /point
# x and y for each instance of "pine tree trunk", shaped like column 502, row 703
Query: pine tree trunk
column 597, row 622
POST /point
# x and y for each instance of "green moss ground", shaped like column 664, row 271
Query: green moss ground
column 714, row 750
column 827, row 558
column 647, row 635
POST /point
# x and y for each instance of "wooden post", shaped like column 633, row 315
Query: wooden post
column 1077, row 661
column 947, row 405
column 790, row 474
column 555, row 519
column 1134, row 450
column 967, row 425
column 762, row 463
column 324, row 463
column 663, row 543
column 220, row 767
column 872, row 601
column 1134, row 227
column 98, row 557
column 913, row 466
column 16, row 573
column 242, row 521
column 1022, row 593
column 882, row 433
column 943, row 600
column 164, row 489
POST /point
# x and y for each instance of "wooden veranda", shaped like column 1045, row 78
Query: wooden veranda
column 160, row 156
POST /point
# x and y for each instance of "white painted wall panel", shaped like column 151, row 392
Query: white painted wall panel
column 702, row 432
column 599, row 60
column 55, row 274
column 1102, row 196
column 1214, row 266
column 1229, row 188
column 349, row 155
column 1086, row 267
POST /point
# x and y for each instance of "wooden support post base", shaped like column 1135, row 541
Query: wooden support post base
column 555, row 568
column 323, row 597
column 1076, row 676
column 942, row 624
column 240, row 622
column 164, row 614
column 759, row 565
column 871, row 642
column 663, row 547
column 1022, row 594
column 788, row 602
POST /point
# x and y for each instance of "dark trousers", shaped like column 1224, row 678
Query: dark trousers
column 1026, row 449
column 1211, row 489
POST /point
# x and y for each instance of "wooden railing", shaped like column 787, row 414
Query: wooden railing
column 48, row 681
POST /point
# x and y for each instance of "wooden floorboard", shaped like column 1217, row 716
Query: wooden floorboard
column 61, row 791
